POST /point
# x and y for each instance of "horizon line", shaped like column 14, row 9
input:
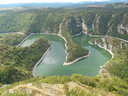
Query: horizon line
column 56, row 2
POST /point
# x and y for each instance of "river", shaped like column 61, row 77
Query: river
column 54, row 59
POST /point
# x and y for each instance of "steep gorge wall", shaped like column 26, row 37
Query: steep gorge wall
column 118, row 65
column 115, row 25
column 95, row 21
column 110, row 43
column 110, row 24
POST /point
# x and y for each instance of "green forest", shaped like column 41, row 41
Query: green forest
column 99, row 21
column 16, row 63
column 12, row 39
column 74, row 50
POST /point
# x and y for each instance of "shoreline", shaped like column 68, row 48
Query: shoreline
column 105, row 36
column 106, row 50
column 38, row 63
column 77, row 59
column 103, row 48
column 102, row 70
column 102, row 67
column 121, row 39
column 77, row 34
column 65, row 47
column 60, row 37
column 69, row 63
column 24, row 39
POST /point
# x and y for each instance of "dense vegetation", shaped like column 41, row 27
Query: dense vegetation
column 99, row 20
column 17, row 62
column 15, row 21
column 119, row 65
column 11, row 39
column 74, row 51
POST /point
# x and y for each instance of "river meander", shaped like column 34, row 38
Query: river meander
column 52, row 63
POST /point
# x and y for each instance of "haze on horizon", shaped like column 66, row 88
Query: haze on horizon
column 41, row 1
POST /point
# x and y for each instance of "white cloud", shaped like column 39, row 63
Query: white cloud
column 27, row 1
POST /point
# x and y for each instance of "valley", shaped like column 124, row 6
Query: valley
column 81, row 51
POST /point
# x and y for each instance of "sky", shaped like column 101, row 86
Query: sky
column 38, row 1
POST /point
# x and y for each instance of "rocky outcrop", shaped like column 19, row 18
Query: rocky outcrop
column 112, row 45
column 115, row 25
column 122, row 29
column 95, row 21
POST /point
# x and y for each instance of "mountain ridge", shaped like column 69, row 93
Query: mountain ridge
column 61, row 4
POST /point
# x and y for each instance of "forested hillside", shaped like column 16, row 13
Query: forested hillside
column 111, row 21
column 16, row 63
column 12, row 39
column 113, row 81
column 74, row 51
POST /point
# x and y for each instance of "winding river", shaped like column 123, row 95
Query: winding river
column 54, row 59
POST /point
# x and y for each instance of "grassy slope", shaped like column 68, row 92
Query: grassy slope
column 76, row 85
column 17, row 63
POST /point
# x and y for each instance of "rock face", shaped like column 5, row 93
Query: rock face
column 112, row 24
column 110, row 43
column 95, row 21
column 84, row 27
column 115, row 25
column 122, row 29
column 117, row 48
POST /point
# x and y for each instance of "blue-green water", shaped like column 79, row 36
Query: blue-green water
column 53, row 61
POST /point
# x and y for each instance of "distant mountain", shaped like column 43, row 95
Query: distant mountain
column 57, row 4
column 123, row 1
column 53, row 5
column 35, row 5
column 83, row 4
